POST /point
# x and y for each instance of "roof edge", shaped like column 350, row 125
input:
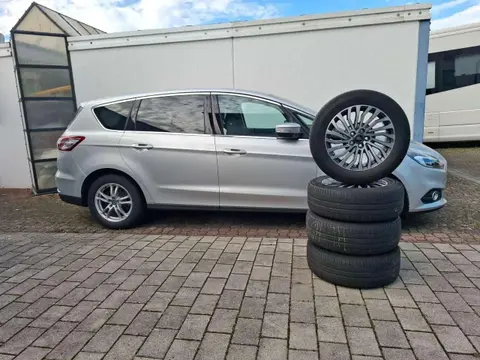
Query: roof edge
column 363, row 17
column 456, row 30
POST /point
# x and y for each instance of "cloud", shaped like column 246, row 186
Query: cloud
column 463, row 17
column 124, row 15
column 437, row 9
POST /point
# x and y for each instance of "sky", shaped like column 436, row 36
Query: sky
column 127, row 15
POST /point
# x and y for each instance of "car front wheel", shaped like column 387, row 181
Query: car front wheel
column 115, row 202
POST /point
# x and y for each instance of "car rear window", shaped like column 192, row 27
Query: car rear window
column 114, row 116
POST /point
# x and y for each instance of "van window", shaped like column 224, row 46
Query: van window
column 114, row 116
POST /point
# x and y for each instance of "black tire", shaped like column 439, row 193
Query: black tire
column 361, row 98
column 138, row 202
column 353, row 238
column 361, row 272
column 357, row 204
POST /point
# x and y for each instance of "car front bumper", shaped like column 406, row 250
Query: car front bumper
column 418, row 180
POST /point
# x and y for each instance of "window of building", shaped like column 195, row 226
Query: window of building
column 114, row 116
column 176, row 114
column 246, row 116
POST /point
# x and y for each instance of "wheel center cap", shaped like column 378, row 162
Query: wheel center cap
column 358, row 139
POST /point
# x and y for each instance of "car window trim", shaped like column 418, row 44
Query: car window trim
column 292, row 112
column 205, row 115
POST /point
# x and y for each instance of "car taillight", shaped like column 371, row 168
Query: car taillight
column 68, row 143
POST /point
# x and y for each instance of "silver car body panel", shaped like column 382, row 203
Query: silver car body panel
column 198, row 170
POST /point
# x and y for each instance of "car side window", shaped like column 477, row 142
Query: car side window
column 307, row 120
column 114, row 116
column 249, row 117
column 175, row 114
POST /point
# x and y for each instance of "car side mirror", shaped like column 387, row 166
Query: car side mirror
column 288, row 131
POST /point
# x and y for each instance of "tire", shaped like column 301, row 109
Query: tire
column 353, row 238
column 382, row 201
column 361, row 272
column 357, row 137
column 137, row 207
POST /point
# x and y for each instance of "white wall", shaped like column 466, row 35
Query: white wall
column 14, row 166
column 126, row 70
column 310, row 68
column 308, row 60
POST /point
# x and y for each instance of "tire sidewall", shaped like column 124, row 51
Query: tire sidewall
column 138, row 203
column 359, row 205
column 360, row 97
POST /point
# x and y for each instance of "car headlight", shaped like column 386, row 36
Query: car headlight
column 426, row 160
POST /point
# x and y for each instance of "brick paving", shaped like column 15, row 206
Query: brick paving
column 129, row 296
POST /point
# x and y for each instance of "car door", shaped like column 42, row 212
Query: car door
column 171, row 147
column 255, row 169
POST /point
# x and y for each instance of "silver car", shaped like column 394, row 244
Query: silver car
column 206, row 149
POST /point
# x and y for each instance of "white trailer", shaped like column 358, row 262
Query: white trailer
column 453, row 87
column 306, row 59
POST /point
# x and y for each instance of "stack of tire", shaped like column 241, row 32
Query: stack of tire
column 353, row 224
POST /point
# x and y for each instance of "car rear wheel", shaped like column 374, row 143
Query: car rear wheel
column 359, row 137
column 115, row 202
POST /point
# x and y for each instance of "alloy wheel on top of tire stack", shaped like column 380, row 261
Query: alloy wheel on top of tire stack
column 354, row 230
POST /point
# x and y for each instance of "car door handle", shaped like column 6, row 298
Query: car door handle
column 142, row 146
column 234, row 151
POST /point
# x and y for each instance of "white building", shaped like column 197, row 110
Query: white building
column 59, row 62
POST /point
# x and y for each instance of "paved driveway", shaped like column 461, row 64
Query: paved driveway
column 110, row 296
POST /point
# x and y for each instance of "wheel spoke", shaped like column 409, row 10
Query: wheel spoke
column 115, row 208
column 120, row 211
column 345, row 125
column 102, row 197
column 387, row 135
column 356, row 121
column 384, row 154
column 107, row 210
column 338, row 133
column 373, row 117
column 362, row 118
column 348, row 155
column 378, row 121
column 354, row 160
column 389, row 145
column 384, row 127
column 335, row 141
